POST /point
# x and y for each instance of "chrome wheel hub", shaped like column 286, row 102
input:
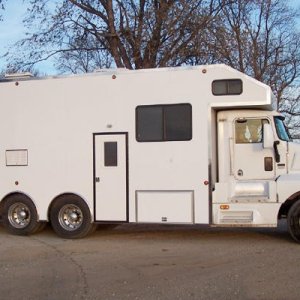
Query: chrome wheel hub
column 19, row 215
column 70, row 217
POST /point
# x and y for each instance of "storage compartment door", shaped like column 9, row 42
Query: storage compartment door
column 165, row 206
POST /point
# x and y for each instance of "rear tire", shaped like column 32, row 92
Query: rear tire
column 20, row 215
column 293, row 221
column 70, row 217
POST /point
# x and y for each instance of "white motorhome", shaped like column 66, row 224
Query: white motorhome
column 192, row 145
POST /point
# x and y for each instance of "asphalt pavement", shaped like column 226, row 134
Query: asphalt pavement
column 152, row 262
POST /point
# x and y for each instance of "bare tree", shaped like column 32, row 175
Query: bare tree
column 259, row 38
column 289, row 106
column 84, row 58
column 1, row 7
column 134, row 34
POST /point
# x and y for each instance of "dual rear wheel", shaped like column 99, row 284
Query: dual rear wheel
column 69, row 215
column 20, row 215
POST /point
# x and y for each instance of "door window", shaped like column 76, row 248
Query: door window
column 110, row 154
column 249, row 130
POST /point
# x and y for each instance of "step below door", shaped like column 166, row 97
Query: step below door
column 110, row 177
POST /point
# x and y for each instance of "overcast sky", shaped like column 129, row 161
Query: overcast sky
column 11, row 30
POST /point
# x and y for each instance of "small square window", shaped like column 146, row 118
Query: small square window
column 220, row 87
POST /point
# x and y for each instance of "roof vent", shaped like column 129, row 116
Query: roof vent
column 25, row 75
column 110, row 70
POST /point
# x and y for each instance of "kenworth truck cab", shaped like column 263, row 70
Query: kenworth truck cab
column 259, row 170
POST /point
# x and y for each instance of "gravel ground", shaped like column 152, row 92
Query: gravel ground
column 152, row 262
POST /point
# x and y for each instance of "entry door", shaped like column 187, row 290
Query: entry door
column 110, row 172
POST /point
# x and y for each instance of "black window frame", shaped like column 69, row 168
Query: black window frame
column 227, row 81
column 164, row 138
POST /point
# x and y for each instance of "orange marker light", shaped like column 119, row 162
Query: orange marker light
column 224, row 206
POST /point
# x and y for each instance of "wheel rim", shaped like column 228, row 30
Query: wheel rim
column 70, row 217
column 19, row 215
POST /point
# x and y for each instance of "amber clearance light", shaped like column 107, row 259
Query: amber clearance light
column 224, row 206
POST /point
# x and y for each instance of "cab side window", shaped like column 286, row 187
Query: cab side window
column 249, row 131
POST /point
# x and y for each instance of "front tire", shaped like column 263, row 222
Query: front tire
column 20, row 215
column 70, row 217
column 293, row 221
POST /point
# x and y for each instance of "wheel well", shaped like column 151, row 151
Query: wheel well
column 285, row 207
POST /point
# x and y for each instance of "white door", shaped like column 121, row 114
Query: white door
column 253, row 167
column 251, row 161
column 110, row 177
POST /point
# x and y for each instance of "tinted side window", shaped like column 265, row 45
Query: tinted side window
column 164, row 123
column 178, row 125
column 149, row 123
column 227, row 87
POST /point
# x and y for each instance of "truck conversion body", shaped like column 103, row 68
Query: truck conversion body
column 146, row 146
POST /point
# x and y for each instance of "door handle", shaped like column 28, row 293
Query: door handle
column 97, row 179
column 240, row 172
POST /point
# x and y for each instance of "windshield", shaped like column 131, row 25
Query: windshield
column 281, row 129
